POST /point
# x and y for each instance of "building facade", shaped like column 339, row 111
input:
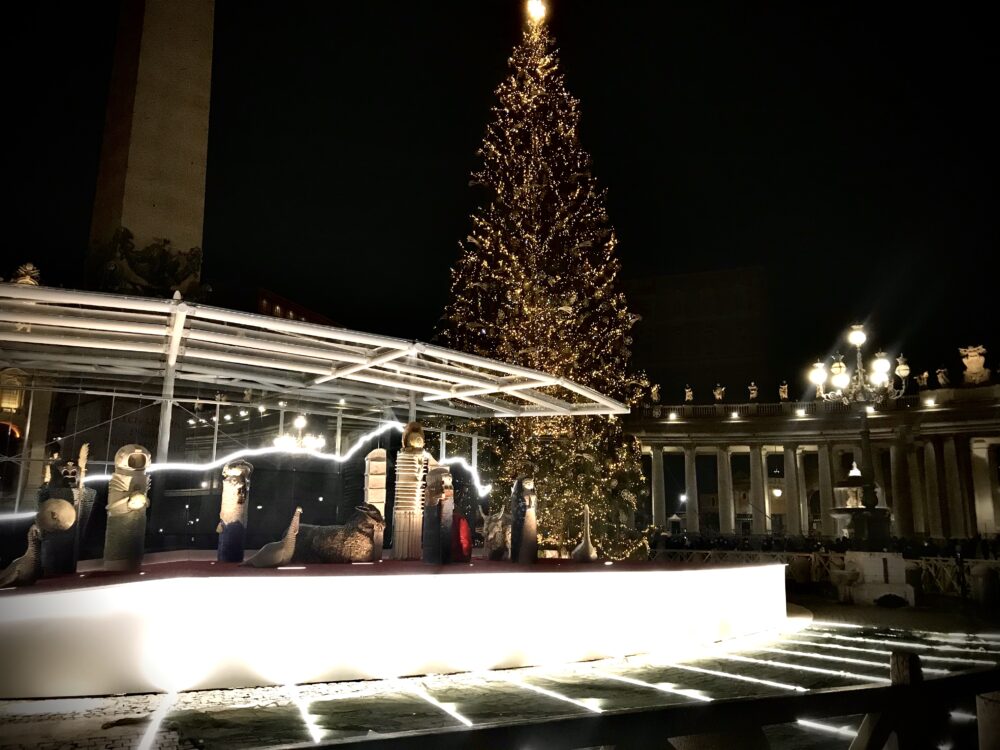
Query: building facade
column 935, row 463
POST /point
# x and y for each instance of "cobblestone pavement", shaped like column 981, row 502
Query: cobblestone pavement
column 831, row 653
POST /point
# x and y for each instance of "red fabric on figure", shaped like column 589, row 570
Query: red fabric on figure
column 461, row 538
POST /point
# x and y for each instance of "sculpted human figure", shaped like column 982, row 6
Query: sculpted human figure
column 922, row 379
column 976, row 372
column 783, row 391
column 128, row 498
column 407, row 511
column 523, row 522
column 719, row 392
column 688, row 394
column 375, row 476
column 233, row 511
column 942, row 377
column 56, row 519
column 753, row 390
column 438, row 516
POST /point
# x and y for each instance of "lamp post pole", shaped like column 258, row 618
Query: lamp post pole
column 863, row 392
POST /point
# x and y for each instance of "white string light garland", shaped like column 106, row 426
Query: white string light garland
column 481, row 489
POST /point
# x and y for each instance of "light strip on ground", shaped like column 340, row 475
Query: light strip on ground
column 902, row 644
column 844, row 659
column 740, row 677
column 148, row 739
column 482, row 489
column 804, row 668
column 923, row 657
column 552, row 694
column 844, row 731
column 314, row 729
column 663, row 687
column 448, row 708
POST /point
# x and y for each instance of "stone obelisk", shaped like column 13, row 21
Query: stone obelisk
column 151, row 176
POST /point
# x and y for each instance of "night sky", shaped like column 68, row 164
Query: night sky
column 848, row 149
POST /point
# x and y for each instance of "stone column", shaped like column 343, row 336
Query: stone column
column 727, row 506
column 839, row 465
column 918, row 495
column 902, row 497
column 659, row 497
column 793, row 519
column 691, row 490
column 758, row 506
column 829, row 526
column 958, row 522
column 932, row 485
column 994, row 457
column 805, row 517
column 983, row 489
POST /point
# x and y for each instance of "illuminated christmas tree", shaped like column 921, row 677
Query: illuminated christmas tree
column 535, row 285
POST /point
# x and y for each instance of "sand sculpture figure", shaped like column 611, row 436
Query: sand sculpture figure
column 585, row 550
column 523, row 522
column 439, row 515
column 56, row 520
column 232, row 526
column 412, row 466
column 26, row 569
column 84, row 498
column 354, row 541
column 375, row 489
column 407, row 511
column 128, row 498
column 496, row 534
column 279, row 553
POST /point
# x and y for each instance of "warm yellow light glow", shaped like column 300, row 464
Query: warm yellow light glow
column 300, row 422
column 879, row 378
column 841, row 380
column 881, row 363
column 800, row 412
column 817, row 375
column 776, row 492
column 857, row 336
column 536, row 10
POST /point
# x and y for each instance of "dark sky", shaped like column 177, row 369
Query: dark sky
column 849, row 149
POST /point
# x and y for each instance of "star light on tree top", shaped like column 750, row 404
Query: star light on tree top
column 536, row 11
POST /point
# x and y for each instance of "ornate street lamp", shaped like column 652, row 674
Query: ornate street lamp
column 863, row 391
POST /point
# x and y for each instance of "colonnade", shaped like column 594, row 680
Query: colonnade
column 938, row 486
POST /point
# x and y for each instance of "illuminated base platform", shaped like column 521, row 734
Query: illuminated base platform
column 197, row 625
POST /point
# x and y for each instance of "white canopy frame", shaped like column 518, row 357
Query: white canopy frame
column 172, row 348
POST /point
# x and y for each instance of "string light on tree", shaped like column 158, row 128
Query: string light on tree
column 535, row 285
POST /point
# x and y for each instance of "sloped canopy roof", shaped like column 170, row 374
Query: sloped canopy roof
column 105, row 340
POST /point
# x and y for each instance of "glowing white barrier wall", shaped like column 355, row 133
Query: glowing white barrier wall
column 188, row 633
